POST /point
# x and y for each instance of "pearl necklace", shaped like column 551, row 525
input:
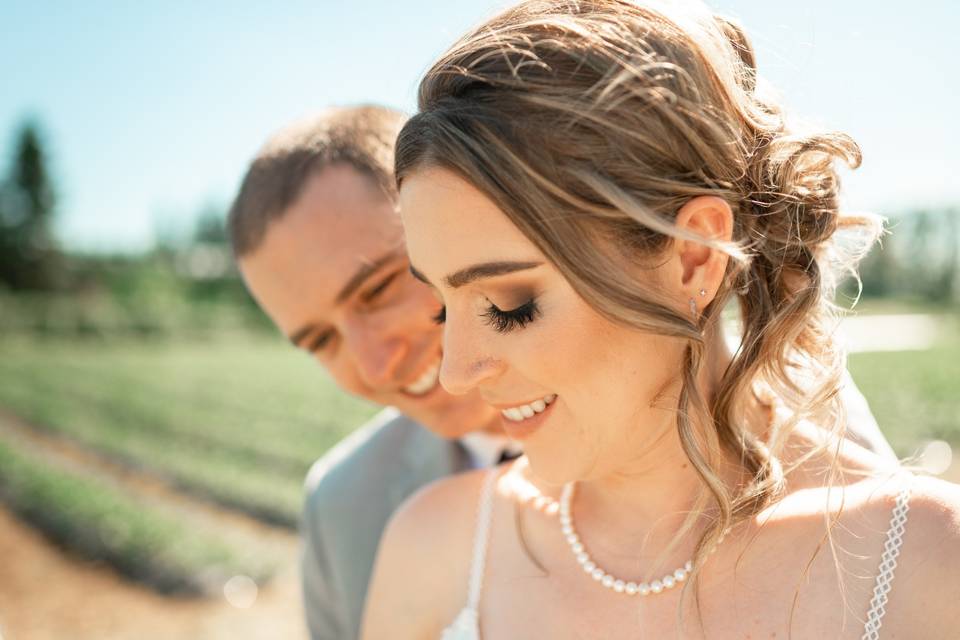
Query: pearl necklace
column 668, row 581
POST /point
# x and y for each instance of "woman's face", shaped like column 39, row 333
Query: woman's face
column 588, row 398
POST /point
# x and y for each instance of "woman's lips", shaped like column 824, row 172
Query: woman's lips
column 522, row 421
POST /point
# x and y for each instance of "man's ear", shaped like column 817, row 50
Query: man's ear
column 701, row 268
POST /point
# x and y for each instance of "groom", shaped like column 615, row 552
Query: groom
column 319, row 244
column 320, row 247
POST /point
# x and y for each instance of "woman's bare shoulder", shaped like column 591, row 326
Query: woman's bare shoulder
column 458, row 491
column 926, row 578
column 932, row 505
column 420, row 577
column 931, row 554
column 444, row 510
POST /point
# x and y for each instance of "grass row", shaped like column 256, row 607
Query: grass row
column 238, row 421
column 98, row 521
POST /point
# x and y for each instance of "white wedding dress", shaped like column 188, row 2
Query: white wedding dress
column 466, row 626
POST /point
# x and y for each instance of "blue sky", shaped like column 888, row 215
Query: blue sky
column 152, row 110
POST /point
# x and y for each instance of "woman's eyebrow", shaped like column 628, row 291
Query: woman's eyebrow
column 478, row 272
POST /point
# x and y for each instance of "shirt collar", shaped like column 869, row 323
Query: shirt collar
column 485, row 449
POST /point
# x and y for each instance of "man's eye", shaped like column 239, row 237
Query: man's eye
column 374, row 293
column 320, row 342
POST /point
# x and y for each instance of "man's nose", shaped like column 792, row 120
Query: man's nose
column 378, row 353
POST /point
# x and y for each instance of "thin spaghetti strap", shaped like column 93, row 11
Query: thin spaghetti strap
column 482, row 539
column 888, row 562
column 466, row 626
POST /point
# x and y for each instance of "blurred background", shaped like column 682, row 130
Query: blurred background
column 155, row 430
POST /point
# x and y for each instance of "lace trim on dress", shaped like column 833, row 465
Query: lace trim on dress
column 888, row 562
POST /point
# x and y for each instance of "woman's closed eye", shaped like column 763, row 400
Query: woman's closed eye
column 501, row 320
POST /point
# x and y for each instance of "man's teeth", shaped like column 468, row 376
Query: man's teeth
column 426, row 381
column 525, row 411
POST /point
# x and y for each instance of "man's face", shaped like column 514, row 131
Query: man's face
column 333, row 275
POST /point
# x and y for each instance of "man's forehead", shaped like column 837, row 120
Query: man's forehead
column 340, row 220
column 354, row 225
column 342, row 203
column 308, row 266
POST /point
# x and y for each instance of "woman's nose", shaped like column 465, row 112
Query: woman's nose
column 466, row 362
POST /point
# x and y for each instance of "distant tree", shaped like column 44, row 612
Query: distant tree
column 205, row 260
column 920, row 260
column 933, row 254
column 878, row 272
column 210, row 226
column 29, row 258
column 946, row 285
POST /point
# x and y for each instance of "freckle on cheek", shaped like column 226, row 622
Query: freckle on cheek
column 480, row 365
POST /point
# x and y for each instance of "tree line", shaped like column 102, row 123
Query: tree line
column 191, row 280
column 29, row 256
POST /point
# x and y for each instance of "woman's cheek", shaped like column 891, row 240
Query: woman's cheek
column 569, row 353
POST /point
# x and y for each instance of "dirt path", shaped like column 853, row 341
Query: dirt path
column 46, row 594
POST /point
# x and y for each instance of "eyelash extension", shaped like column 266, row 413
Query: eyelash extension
column 505, row 321
column 502, row 321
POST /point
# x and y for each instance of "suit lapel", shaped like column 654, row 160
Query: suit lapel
column 425, row 458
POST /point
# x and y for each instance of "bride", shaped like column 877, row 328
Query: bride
column 588, row 185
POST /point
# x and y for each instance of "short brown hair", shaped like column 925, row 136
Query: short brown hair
column 361, row 137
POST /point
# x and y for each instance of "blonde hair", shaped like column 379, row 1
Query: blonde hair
column 589, row 124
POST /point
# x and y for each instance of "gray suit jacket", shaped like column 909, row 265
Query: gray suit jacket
column 351, row 493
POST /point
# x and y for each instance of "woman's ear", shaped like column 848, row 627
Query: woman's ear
column 701, row 267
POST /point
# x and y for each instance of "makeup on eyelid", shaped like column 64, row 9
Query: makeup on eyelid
column 506, row 320
column 503, row 319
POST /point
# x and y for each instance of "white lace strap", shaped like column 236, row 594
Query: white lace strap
column 481, row 539
column 888, row 562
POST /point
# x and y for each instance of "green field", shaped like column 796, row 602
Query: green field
column 238, row 421
column 914, row 394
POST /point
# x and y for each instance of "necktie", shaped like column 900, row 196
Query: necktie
column 507, row 455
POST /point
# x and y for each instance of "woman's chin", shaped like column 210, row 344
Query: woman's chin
column 550, row 470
